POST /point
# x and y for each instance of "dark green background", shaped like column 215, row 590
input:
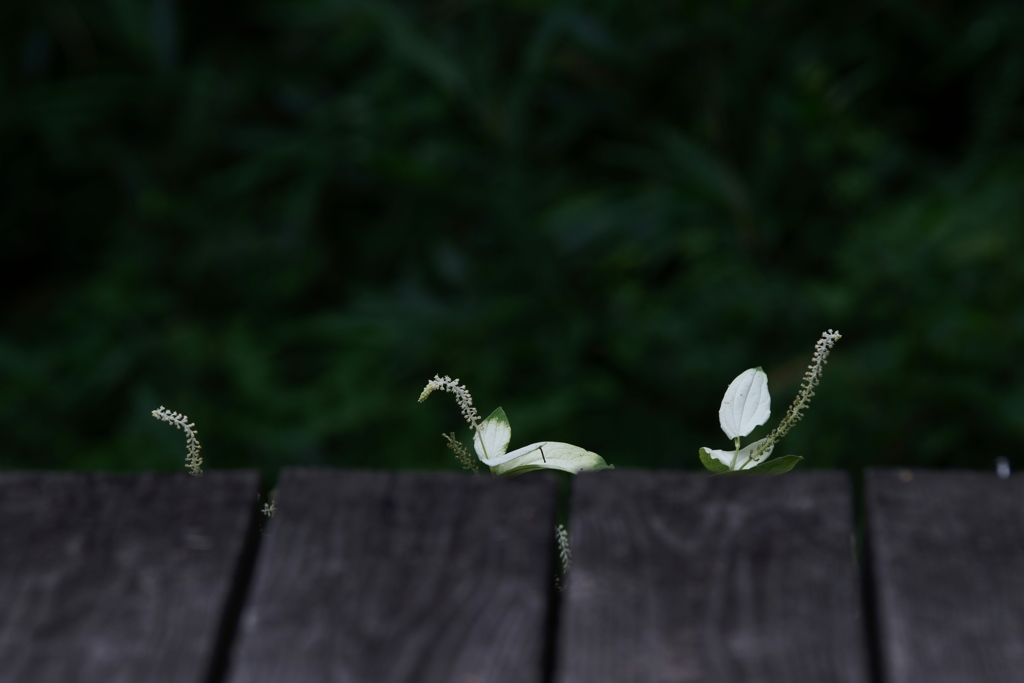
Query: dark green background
column 282, row 218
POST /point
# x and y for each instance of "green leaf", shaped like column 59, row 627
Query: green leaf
column 551, row 455
column 772, row 467
column 492, row 437
column 711, row 464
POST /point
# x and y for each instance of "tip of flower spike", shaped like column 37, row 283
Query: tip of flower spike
column 432, row 386
column 462, row 396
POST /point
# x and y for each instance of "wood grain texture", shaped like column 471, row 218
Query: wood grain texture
column 681, row 578
column 947, row 560
column 118, row 579
column 377, row 577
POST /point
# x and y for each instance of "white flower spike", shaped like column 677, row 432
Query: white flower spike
column 193, row 462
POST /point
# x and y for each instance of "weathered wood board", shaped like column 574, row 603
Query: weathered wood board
column 377, row 577
column 119, row 579
column 947, row 559
column 681, row 578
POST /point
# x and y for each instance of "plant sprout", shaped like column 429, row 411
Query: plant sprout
column 747, row 404
column 492, row 435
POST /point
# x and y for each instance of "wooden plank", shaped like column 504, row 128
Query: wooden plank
column 947, row 560
column 394, row 577
column 681, row 577
column 119, row 579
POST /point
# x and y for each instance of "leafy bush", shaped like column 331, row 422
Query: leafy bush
column 280, row 217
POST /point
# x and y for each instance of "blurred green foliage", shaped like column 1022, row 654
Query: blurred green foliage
column 282, row 218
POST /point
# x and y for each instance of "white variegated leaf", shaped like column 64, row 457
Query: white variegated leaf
column 492, row 437
column 746, row 404
column 724, row 457
column 512, row 455
column 741, row 460
column 550, row 455
column 712, row 465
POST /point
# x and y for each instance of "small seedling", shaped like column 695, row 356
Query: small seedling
column 492, row 435
column 747, row 404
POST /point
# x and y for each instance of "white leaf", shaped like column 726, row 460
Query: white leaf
column 726, row 457
column 505, row 457
column 746, row 404
column 492, row 437
column 550, row 455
